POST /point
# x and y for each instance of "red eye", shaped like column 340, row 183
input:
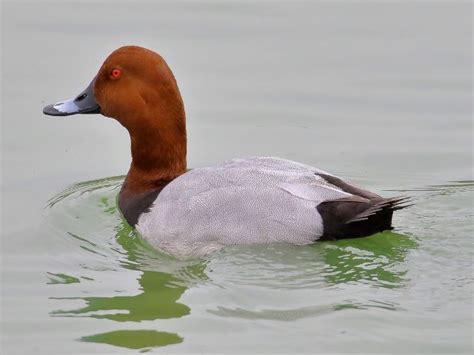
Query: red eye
column 115, row 73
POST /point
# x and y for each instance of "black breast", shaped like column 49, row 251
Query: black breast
column 133, row 205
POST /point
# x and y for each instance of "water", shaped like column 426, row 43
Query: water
column 377, row 93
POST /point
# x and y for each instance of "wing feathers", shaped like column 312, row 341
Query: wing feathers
column 394, row 203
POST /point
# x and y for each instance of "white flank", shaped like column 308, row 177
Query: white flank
column 244, row 201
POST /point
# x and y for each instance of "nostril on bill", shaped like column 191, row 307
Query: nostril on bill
column 80, row 97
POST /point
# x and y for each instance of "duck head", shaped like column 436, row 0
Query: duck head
column 136, row 87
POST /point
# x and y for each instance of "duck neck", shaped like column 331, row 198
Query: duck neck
column 158, row 157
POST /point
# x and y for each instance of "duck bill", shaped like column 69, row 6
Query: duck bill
column 83, row 103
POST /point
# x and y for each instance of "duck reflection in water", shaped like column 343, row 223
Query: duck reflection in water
column 158, row 299
column 163, row 280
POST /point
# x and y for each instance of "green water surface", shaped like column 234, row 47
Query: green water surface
column 376, row 92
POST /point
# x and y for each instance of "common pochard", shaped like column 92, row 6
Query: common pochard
column 190, row 213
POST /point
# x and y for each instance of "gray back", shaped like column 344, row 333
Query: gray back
column 242, row 201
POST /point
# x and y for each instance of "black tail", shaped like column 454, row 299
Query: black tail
column 356, row 217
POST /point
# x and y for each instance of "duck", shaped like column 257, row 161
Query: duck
column 191, row 213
